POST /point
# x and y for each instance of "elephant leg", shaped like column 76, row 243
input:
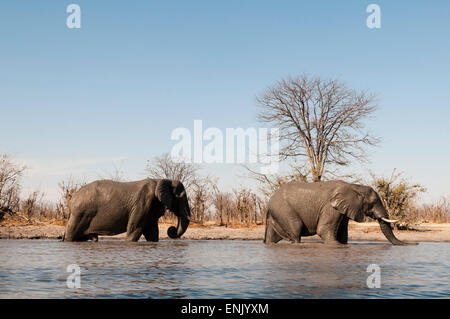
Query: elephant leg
column 287, row 225
column 328, row 227
column 134, row 235
column 342, row 233
column 134, row 232
column 136, row 226
column 151, row 233
column 271, row 235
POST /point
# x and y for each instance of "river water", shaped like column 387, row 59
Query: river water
column 222, row 269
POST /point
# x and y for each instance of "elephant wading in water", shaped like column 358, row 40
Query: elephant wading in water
column 323, row 208
column 109, row 208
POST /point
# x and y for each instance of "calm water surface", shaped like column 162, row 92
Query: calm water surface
column 221, row 269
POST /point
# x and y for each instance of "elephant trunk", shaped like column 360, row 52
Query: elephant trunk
column 183, row 223
column 388, row 233
column 386, row 228
column 181, row 228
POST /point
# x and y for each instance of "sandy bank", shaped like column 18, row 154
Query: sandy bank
column 357, row 232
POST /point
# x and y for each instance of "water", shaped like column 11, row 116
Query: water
column 221, row 269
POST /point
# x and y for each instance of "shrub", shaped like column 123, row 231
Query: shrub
column 10, row 175
column 398, row 196
column 438, row 212
column 67, row 188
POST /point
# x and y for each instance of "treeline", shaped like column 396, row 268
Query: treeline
column 209, row 204
column 33, row 208
column 322, row 130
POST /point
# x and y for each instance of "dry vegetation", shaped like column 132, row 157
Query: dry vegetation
column 399, row 195
column 241, row 207
column 321, row 122
column 438, row 212
column 209, row 205
column 32, row 209
column 207, row 202
column 322, row 125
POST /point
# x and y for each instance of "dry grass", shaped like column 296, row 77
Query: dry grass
column 44, row 214
column 19, row 219
column 438, row 212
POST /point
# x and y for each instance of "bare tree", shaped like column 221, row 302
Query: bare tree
column 200, row 197
column 245, row 206
column 320, row 120
column 242, row 206
column 221, row 202
column 32, row 205
column 165, row 167
column 198, row 187
column 10, row 174
column 269, row 183
column 116, row 175
column 67, row 188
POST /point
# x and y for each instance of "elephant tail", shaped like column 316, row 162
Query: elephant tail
column 69, row 220
column 273, row 232
column 267, row 224
column 65, row 228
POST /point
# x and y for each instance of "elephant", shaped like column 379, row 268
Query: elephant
column 108, row 207
column 299, row 209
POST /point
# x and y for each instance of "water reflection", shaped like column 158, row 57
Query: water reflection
column 222, row 269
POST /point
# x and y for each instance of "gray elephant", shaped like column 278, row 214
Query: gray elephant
column 324, row 208
column 108, row 208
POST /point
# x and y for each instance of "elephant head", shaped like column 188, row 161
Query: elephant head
column 173, row 196
column 357, row 201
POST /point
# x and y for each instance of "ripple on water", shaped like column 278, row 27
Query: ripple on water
column 222, row 269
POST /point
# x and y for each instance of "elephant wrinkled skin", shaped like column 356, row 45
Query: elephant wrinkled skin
column 324, row 208
column 108, row 208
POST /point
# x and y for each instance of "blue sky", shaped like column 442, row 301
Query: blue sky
column 80, row 102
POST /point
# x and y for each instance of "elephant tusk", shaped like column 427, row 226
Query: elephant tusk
column 389, row 220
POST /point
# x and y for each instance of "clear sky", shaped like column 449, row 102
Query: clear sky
column 80, row 102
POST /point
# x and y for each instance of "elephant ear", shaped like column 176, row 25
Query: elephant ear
column 348, row 201
column 178, row 189
column 164, row 192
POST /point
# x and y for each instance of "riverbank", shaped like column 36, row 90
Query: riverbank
column 357, row 232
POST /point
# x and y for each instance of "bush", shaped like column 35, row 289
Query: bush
column 432, row 213
column 67, row 188
column 398, row 196
column 10, row 175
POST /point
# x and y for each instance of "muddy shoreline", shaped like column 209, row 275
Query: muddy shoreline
column 357, row 232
